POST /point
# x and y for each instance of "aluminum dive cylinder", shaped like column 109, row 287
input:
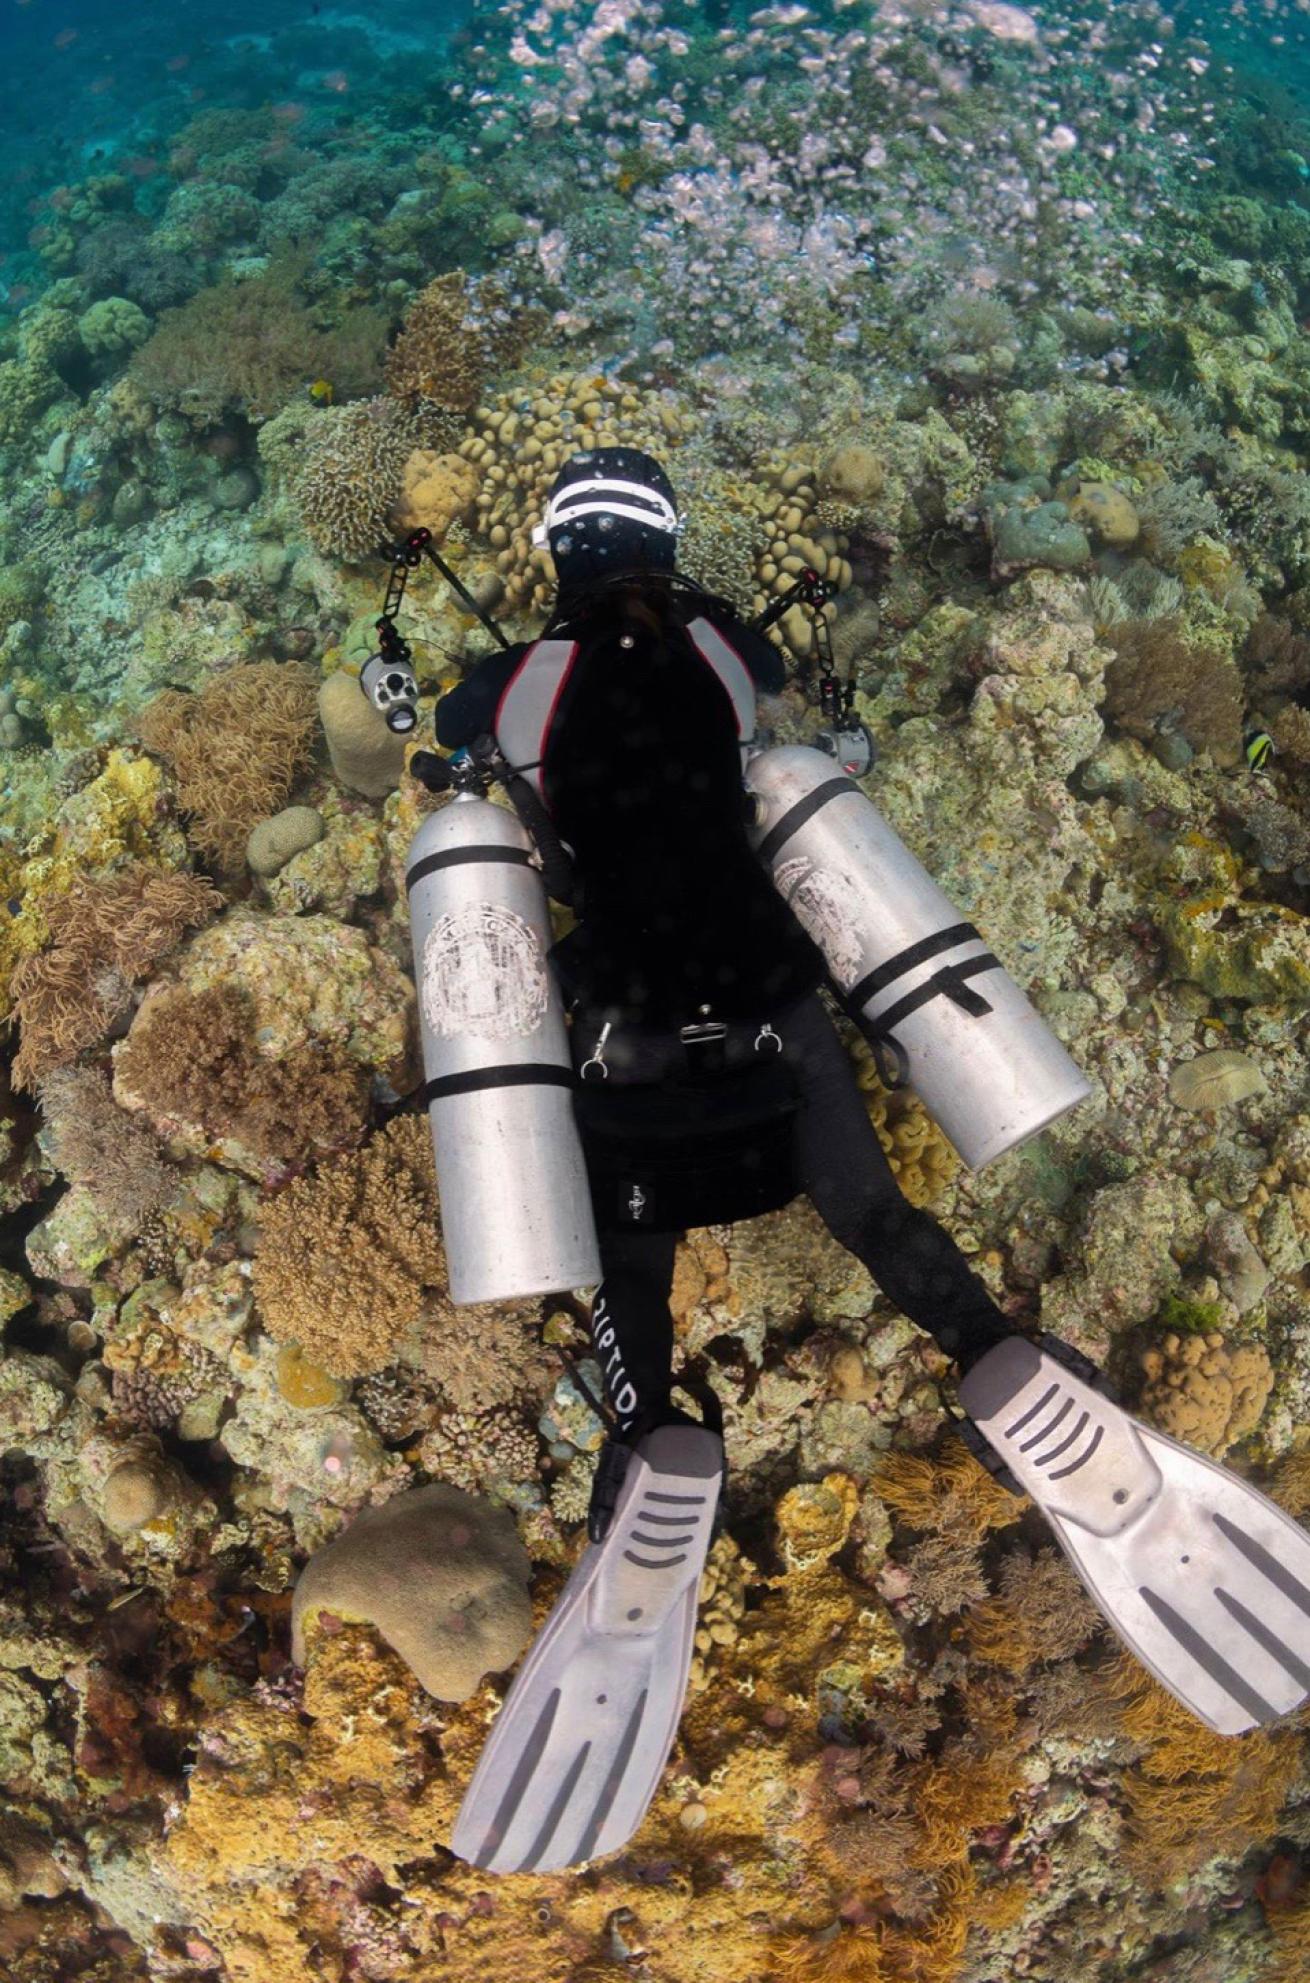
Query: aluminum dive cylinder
column 984, row 1064
column 515, row 1203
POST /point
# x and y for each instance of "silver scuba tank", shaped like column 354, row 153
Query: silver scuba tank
column 515, row 1203
column 984, row 1064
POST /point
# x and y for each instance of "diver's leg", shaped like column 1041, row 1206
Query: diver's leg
column 840, row 1165
column 631, row 1323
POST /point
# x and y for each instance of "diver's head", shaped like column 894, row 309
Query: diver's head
column 610, row 510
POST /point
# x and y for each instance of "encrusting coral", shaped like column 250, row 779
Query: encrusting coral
column 235, row 748
column 345, row 1257
column 105, row 935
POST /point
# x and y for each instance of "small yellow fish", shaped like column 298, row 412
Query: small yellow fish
column 1258, row 745
column 321, row 392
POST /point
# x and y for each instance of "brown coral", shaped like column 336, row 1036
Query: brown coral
column 235, row 749
column 1276, row 659
column 192, row 1057
column 344, row 1257
column 97, row 1144
column 103, row 937
column 455, row 332
column 351, row 473
column 1159, row 679
column 1203, row 1393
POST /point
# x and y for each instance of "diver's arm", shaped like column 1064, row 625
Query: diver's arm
column 469, row 710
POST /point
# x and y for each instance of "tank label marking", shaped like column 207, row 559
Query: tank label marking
column 484, row 972
column 826, row 902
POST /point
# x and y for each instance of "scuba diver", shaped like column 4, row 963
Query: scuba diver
column 710, row 1084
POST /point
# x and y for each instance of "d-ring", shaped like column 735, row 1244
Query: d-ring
column 597, row 1056
column 766, row 1032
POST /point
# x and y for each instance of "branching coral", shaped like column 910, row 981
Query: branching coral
column 104, row 937
column 1160, row 679
column 344, row 1257
column 1173, row 514
column 192, row 1056
column 97, row 1144
column 455, row 332
column 235, row 749
column 350, row 475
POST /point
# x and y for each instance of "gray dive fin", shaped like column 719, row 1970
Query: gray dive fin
column 1203, row 1577
column 577, row 1751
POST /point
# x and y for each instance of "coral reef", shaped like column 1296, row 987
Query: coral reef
column 345, row 1256
column 442, row 1576
column 103, row 937
column 235, row 748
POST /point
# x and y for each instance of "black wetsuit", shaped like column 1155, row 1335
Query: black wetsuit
column 643, row 779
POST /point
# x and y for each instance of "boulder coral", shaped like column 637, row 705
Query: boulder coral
column 440, row 1574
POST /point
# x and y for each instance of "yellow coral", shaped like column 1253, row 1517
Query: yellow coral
column 1203, row 1392
column 435, row 490
column 922, row 1159
column 814, row 1519
column 948, row 1491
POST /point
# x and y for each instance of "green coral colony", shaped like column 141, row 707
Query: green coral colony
column 996, row 317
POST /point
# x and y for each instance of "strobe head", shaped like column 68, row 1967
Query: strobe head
column 853, row 748
column 388, row 682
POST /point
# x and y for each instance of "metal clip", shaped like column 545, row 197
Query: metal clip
column 701, row 1030
column 766, row 1032
column 597, row 1056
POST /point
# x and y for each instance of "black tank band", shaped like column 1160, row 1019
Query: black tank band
column 522, row 1074
column 949, row 982
column 457, row 856
column 905, row 960
column 795, row 816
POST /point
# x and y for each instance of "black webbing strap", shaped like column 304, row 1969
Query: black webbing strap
column 795, row 816
column 905, row 960
column 458, row 856
column 946, row 983
column 522, row 1075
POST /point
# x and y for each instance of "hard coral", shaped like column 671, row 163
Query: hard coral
column 235, row 749
column 344, row 1258
column 104, row 936
column 440, row 1574
column 455, row 333
column 351, row 473
column 1203, row 1392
